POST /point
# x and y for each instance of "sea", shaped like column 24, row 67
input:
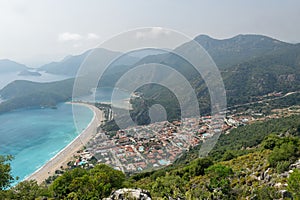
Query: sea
column 34, row 136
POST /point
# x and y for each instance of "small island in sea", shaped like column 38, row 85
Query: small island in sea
column 29, row 73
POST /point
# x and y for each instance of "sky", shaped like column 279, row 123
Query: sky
column 36, row 32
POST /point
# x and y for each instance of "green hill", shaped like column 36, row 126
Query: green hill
column 270, row 73
column 27, row 94
column 241, row 48
column 250, row 65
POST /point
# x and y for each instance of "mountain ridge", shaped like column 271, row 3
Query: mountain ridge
column 7, row 65
column 271, row 71
column 70, row 64
column 231, row 51
column 215, row 47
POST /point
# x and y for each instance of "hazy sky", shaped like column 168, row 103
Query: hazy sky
column 39, row 31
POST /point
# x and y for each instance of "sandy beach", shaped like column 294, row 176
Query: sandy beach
column 65, row 155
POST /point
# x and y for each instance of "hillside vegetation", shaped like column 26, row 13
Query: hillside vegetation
column 27, row 94
column 251, row 162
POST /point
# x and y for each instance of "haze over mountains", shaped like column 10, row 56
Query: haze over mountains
column 240, row 48
column 11, row 66
column 251, row 65
column 70, row 64
column 225, row 53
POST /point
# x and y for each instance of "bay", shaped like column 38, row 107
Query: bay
column 34, row 136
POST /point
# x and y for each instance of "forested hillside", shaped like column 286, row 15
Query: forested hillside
column 258, row 161
column 27, row 94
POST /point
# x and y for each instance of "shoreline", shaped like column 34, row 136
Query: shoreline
column 64, row 155
column 119, row 104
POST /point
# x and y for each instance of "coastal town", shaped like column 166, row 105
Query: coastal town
column 143, row 147
column 159, row 144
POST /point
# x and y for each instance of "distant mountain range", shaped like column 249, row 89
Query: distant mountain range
column 11, row 66
column 251, row 65
column 241, row 48
column 70, row 65
column 225, row 53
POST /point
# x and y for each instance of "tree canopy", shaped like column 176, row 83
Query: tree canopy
column 5, row 172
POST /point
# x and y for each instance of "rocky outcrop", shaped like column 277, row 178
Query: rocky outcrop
column 285, row 194
column 296, row 165
column 129, row 194
column 292, row 167
column 287, row 78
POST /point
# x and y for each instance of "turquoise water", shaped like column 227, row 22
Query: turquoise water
column 104, row 94
column 34, row 136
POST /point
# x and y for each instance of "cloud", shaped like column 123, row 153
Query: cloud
column 77, row 45
column 152, row 33
column 69, row 36
column 92, row 36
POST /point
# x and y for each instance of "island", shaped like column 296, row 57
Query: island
column 29, row 73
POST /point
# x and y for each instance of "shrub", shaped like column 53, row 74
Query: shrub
column 294, row 184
